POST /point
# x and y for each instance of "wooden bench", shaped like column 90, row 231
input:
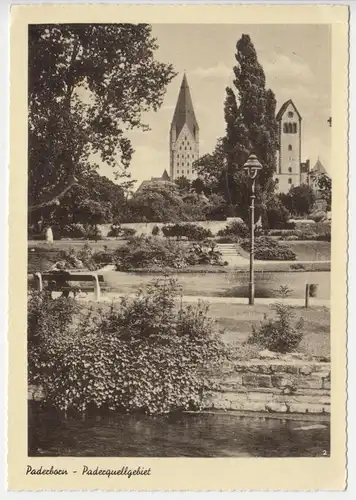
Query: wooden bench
column 61, row 279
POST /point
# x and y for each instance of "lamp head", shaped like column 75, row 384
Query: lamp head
column 252, row 166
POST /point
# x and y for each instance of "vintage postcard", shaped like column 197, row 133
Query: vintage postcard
column 178, row 247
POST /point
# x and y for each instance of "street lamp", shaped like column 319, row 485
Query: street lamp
column 251, row 167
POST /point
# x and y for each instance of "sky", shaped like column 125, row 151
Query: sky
column 297, row 63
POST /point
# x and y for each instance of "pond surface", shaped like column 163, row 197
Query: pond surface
column 184, row 435
column 231, row 284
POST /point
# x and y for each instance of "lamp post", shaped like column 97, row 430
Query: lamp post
column 251, row 167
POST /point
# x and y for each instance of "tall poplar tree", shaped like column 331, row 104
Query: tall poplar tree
column 251, row 126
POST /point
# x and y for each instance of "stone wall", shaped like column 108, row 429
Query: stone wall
column 296, row 386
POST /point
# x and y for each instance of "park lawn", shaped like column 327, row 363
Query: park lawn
column 236, row 320
column 311, row 250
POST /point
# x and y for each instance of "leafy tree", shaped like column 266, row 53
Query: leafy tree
column 299, row 199
column 251, row 127
column 183, row 184
column 158, row 202
column 323, row 184
column 87, row 84
column 211, row 170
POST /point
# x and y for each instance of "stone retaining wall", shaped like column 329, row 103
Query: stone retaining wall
column 272, row 386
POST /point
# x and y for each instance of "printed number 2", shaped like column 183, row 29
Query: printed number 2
column 325, row 453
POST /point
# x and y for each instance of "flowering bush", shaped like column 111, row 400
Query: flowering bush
column 269, row 249
column 146, row 252
column 235, row 228
column 73, row 231
column 189, row 231
column 320, row 231
column 143, row 355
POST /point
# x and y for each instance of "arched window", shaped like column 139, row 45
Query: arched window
column 294, row 128
column 290, row 128
column 285, row 128
column 290, row 147
column 194, row 131
column 290, row 169
column 289, row 181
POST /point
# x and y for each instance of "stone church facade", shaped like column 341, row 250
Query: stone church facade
column 290, row 171
column 184, row 136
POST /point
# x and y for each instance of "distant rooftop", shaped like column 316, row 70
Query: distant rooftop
column 318, row 168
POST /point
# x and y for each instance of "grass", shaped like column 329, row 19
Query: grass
column 232, row 284
column 311, row 250
column 236, row 321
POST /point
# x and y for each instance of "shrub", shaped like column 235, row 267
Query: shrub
column 269, row 249
column 144, row 252
column 128, row 232
column 115, row 231
column 280, row 334
column 277, row 214
column 84, row 257
column 142, row 356
column 306, row 232
column 318, row 216
column 103, row 257
column 148, row 252
column 320, row 231
column 227, row 239
column 155, row 230
column 235, row 228
column 73, row 231
column 46, row 318
column 94, row 233
column 189, row 231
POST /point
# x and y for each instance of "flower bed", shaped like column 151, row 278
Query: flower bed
column 149, row 252
column 269, row 249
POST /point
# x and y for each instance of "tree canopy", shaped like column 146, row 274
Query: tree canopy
column 251, row 127
column 250, row 114
column 88, row 85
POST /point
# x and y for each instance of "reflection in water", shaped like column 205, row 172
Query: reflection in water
column 183, row 435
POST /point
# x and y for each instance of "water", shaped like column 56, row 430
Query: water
column 184, row 435
column 231, row 284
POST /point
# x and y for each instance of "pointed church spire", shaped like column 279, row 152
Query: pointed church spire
column 184, row 112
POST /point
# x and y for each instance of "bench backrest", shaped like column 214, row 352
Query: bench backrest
column 68, row 276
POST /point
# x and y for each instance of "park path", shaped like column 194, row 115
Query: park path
column 193, row 299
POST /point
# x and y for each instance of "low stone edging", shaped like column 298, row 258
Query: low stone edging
column 272, row 386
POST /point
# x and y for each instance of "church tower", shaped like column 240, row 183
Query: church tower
column 288, row 171
column 184, row 136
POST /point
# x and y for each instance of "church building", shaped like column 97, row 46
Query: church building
column 184, row 136
column 290, row 171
